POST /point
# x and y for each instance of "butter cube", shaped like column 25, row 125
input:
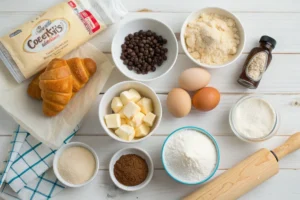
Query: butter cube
column 125, row 132
column 142, row 131
column 121, row 113
column 116, row 104
column 123, row 121
column 149, row 119
column 136, row 96
column 131, row 109
column 146, row 105
column 113, row 120
column 138, row 119
column 126, row 97
column 129, row 122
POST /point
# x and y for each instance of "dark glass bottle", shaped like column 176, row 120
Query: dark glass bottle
column 257, row 63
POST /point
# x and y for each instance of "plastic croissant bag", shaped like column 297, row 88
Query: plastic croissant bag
column 27, row 49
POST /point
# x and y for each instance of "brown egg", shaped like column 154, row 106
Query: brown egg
column 179, row 102
column 206, row 99
column 194, row 79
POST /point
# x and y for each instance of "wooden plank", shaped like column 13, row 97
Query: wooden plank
column 232, row 149
column 4, row 148
column 216, row 121
column 254, row 23
column 281, row 77
column 164, row 188
column 233, row 5
column 168, row 5
column 7, row 124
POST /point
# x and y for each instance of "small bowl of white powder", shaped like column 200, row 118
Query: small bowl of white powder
column 253, row 119
column 213, row 37
column 75, row 164
column 190, row 155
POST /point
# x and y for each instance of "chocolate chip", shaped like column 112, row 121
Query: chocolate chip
column 143, row 50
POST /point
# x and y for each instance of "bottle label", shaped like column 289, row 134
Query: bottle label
column 257, row 66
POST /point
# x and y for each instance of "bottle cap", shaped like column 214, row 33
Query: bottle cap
column 269, row 40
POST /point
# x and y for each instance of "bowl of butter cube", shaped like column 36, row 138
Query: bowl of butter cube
column 130, row 111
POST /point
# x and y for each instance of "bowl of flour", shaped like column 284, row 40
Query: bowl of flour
column 213, row 37
column 190, row 155
column 253, row 119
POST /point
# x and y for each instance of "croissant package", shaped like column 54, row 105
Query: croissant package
column 51, row 104
column 26, row 49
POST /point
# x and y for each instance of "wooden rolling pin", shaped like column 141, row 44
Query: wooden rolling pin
column 246, row 175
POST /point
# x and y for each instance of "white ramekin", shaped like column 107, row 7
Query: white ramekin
column 195, row 15
column 156, row 26
column 114, row 91
column 137, row 151
column 57, row 156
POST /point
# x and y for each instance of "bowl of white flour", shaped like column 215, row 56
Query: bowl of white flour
column 190, row 155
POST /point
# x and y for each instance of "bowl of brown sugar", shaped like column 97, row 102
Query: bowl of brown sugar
column 131, row 169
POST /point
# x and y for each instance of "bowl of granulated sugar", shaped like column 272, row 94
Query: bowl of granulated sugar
column 190, row 155
column 75, row 164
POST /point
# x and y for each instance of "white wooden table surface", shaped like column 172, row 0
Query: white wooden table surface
column 281, row 85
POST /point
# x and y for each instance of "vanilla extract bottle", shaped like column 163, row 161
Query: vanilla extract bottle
column 257, row 63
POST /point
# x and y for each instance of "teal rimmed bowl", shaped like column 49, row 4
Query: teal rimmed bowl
column 201, row 131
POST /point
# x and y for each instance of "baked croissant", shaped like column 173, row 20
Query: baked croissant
column 82, row 70
column 54, row 82
column 34, row 89
column 56, row 85
column 75, row 64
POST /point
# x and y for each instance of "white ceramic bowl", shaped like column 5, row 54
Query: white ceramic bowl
column 195, row 15
column 145, row 24
column 114, row 91
column 137, row 151
column 58, row 154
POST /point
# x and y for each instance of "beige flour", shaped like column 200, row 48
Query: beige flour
column 212, row 39
column 76, row 165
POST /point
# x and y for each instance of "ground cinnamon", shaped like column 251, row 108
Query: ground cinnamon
column 131, row 170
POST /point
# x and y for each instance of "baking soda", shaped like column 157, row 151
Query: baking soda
column 254, row 118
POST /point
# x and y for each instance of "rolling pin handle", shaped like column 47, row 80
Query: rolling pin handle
column 292, row 144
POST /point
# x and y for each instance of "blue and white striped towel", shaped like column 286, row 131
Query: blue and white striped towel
column 26, row 173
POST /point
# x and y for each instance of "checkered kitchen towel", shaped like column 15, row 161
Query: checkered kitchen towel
column 24, row 174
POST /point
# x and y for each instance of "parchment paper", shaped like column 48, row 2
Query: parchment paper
column 28, row 112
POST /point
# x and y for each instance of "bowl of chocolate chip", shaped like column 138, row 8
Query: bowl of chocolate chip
column 144, row 49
